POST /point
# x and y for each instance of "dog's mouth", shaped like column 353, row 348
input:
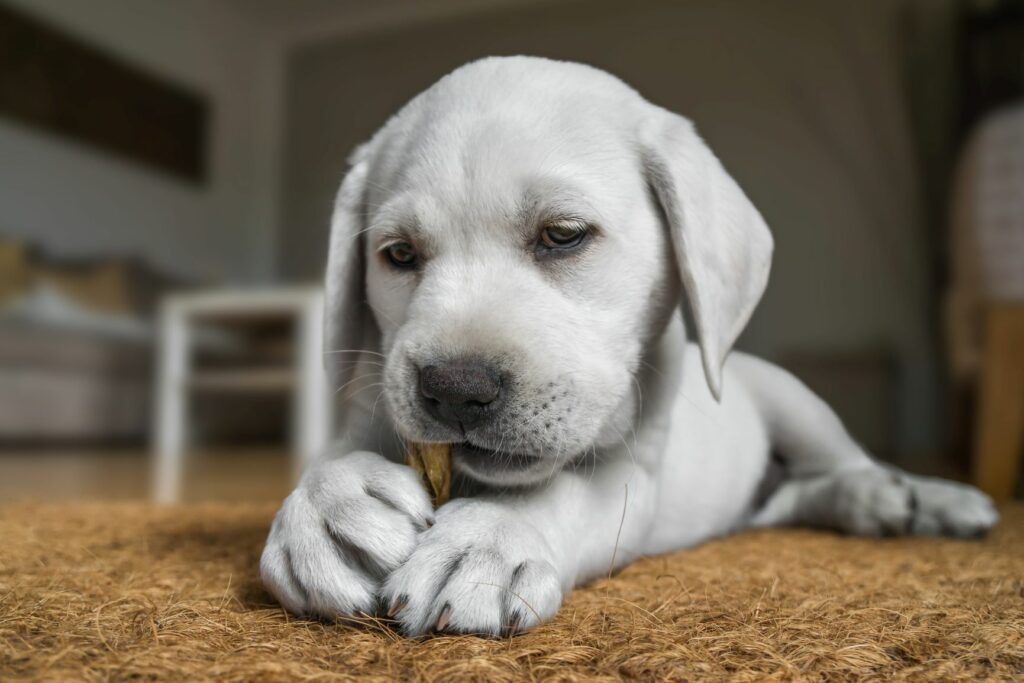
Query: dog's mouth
column 493, row 465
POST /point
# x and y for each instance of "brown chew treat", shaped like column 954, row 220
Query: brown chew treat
column 433, row 462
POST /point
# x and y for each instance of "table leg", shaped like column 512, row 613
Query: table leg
column 171, row 397
column 1000, row 420
column 311, row 419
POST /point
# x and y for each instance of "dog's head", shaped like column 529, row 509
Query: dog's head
column 512, row 240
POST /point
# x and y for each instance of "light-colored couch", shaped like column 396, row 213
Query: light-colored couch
column 67, row 385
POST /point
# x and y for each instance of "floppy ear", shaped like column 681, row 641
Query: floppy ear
column 722, row 245
column 348, row 324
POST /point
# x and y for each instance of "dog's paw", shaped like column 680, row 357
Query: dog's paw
column 348, row 524
column 478, row 570
column 884, row 502
column 948, row 508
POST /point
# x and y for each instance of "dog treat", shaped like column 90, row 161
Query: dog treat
column 433, row 462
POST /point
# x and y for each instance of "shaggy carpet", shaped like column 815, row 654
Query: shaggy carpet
column 109, row 592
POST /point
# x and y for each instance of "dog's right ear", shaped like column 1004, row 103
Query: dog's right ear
column 349, row 328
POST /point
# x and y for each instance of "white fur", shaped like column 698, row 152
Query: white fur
column 618, row 438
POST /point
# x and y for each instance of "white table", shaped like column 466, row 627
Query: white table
column 306, row 381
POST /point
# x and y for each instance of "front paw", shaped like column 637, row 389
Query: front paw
column 478, row 570
column 348, row 524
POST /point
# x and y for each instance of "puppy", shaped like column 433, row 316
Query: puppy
column 508, row 258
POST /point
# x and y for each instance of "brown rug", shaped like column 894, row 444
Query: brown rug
column 100, row 592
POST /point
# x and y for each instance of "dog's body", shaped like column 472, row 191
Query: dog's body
column 507, row 259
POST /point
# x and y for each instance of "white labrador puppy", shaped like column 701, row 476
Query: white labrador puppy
column 507, row 261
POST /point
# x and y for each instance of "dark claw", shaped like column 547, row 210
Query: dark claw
column 442, row 621
column 913, row 504
column 513, row 624
column 398, row 605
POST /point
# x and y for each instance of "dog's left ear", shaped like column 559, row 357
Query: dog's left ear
column 349, row 327
column 722, row 245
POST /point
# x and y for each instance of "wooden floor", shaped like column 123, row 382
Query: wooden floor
column 236, row 474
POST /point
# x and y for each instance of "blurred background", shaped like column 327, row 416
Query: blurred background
column 167, row 169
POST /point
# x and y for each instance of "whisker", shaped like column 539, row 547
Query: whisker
column 362, row 362
column 652, row 367
column 371, row 375
column 381, row 313
column 362, row 389
column 372, row 353
column 373, row 410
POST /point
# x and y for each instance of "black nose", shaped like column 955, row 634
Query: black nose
column 460, row 393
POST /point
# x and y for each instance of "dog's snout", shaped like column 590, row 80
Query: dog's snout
column 461, row 392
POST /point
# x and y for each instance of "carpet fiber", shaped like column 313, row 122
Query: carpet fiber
column 99, row 592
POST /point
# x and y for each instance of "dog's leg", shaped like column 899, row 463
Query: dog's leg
column 831, row 482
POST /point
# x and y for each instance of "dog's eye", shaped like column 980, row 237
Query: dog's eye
column 562, row 235
column 401, row 255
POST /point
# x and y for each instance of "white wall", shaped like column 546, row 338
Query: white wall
column 74, row 199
